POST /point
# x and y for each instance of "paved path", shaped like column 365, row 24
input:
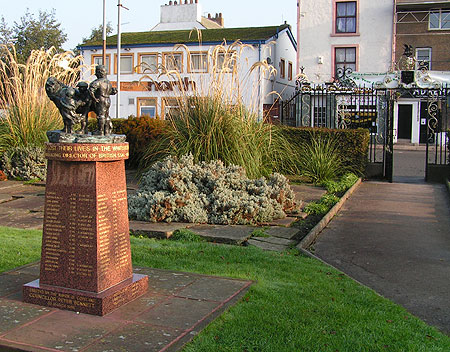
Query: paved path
column 395, row 238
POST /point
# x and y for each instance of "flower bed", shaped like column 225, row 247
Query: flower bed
column 183, row 191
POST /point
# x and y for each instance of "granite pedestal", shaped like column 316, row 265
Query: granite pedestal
column 86, row 257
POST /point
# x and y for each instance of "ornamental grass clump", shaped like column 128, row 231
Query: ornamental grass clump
column 214, row 121
column 319, row 159
column 26, row 112
column 208, row 192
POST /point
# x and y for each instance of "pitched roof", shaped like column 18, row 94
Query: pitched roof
column 190, row 36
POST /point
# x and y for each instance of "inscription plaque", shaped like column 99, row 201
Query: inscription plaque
column 86, row 256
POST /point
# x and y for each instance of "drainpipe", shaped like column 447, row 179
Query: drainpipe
column 260, row 108
column 119, row 5
column 298, row 38
column 104, row 33
column 394, row 35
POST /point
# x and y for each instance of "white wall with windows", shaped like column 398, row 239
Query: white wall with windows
column 337, row 33
column 145, row 89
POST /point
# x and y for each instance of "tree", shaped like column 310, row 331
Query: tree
column 5, row 32
column 97, row 33
column 35, row 33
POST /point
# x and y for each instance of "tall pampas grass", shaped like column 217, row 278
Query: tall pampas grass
column 26, row 113
column 213, row 122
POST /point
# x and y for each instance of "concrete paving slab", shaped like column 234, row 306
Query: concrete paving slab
column 136, row 338
column 5, row 198
column 282, row 232
column 15, row 314
column 308, row 193
column 286, row 222
column 395, row 238
column 184, row 305
column 19, row 219
column 14, row 280
column 63, row 331
column 178, row 313
column 230, row 234
column 212, row 289
column 275, row 240
column 267, row 246
column 159, row 230
column 35, row 204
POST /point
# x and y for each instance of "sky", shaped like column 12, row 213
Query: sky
column 78, row 17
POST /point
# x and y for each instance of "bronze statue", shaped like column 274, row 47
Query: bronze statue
column 74, row 104
column 65, row 99
column 100, row 90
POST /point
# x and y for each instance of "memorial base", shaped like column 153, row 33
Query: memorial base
column 84, row 301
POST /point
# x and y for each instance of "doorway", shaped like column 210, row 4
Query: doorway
column 404, row 129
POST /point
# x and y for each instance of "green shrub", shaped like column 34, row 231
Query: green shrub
column 185, row 191
column 185, row 235
column 344, row 183
column 24, row 163
column 322, row 206
column 140, row 132
column 352, row 145
column 211, row 129
column 319, row 159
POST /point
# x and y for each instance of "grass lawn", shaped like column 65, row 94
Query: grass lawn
column 296, row 303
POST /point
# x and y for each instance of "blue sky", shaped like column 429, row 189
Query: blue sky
column 78, row 20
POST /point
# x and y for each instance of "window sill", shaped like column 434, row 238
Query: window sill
column 345, row 34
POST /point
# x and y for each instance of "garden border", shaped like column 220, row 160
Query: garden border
column 316, row 230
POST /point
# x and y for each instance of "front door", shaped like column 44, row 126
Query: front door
column 404, row 128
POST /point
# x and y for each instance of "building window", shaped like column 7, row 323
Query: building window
column 98, row 60
column 345, row 17
column 126, row 63
column 148, row 63
column 171, row 108
column 423, row 58
column 147, row 106
column 198, row 62
column 173, row 61
column 439, row 20
column 290, row 71
column 225, row 61
column 282, row 68
column 344, row 58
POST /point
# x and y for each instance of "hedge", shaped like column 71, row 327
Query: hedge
column 353, row 143
column 139, row 131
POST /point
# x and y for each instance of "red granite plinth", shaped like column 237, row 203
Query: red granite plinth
column 86, row 244
column 85, row 301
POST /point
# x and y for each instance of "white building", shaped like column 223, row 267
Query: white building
column 338, row 33
column 174, row 44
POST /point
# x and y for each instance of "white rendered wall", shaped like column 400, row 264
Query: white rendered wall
column 374, row 41
column 180, row 16
column 181, row 13
column 254, row 87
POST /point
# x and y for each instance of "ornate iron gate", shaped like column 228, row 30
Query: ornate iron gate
column 334, row 106
column 348, row 107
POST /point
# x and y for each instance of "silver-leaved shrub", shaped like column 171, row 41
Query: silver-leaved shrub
column 208, row 192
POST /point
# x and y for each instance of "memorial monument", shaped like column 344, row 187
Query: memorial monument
column 86, row 258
